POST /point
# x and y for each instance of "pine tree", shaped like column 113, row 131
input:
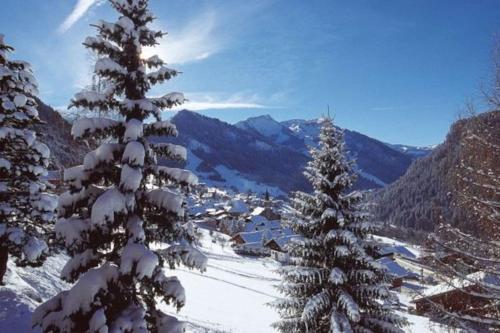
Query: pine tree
column 333, row 283
column 111, row 214
column 26, row 211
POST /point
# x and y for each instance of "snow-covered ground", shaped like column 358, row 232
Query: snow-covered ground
column 25, row 289
column 231, row 296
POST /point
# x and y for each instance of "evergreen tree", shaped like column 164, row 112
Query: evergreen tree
column 333, row 283
column 112, row 213
column 26, row 211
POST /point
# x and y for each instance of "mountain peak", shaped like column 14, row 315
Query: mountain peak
column 261, row 117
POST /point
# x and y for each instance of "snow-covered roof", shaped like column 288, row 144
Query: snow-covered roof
column 197, row 209
column 238, row 207
column 258, row 211
column 253, row 244
column 258, row 219
column 251, row 237
column 397, row 249
column 283, row 240
column 213, row 212
column 262, row 224
column 459, row 283
column 394, row 268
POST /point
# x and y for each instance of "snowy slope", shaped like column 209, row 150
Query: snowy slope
column 25, row 289
column 270, row 128
column 230, row 296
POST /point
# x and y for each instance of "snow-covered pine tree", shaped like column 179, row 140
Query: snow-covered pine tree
column 26, row 211
column 333, row 283
column 111, row 214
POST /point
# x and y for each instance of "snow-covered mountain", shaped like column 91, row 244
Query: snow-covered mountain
column 261, row 153
column 225, row 155
column 413, row 151
column 376, row 165
column 256, row 154
column 271, row 129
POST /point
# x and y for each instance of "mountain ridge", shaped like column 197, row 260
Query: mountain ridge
column 256, row 154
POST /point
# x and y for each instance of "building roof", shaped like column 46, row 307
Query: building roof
column 459, row 283
column 283, row 240
column 251, row 237
column 261, row 223
column 238, row 207
column 397, row 249
column 394, row 268
column 258, row 211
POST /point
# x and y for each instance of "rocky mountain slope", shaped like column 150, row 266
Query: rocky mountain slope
column 430, row 190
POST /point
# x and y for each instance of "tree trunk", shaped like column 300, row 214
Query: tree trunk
column 4, row 256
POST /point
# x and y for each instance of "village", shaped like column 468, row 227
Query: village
column 256, row 226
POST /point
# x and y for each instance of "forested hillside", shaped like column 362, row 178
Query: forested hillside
column 428, row 193
column 55, row 132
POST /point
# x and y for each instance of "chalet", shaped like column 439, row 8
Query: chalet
column 207, row 223
column 452, row 259
column 277, row 246
column 396, row 271
column 237, row 207
column 397, row 250
column 248, row 237
column 458, row 296
column 253, row 249
column 266, row 212
column 254, row 223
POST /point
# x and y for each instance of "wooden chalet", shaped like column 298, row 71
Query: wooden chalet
column 458, row 296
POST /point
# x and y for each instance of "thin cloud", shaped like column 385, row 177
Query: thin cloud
column 81, row 7
column 200, row 106
column 403, row 107
column 200, row 102
column 198, row 40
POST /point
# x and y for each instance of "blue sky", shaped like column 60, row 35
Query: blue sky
column 398, row 71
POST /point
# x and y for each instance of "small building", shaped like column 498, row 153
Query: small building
column 208, row 223
column 458, row 296
column 259, row 222
column 248, row 237
column 237, row 207
column 277, row 246
column 397, row 250
column 266, row 212
column 397, row 272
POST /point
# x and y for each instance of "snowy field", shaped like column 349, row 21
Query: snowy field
column 230, row 296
